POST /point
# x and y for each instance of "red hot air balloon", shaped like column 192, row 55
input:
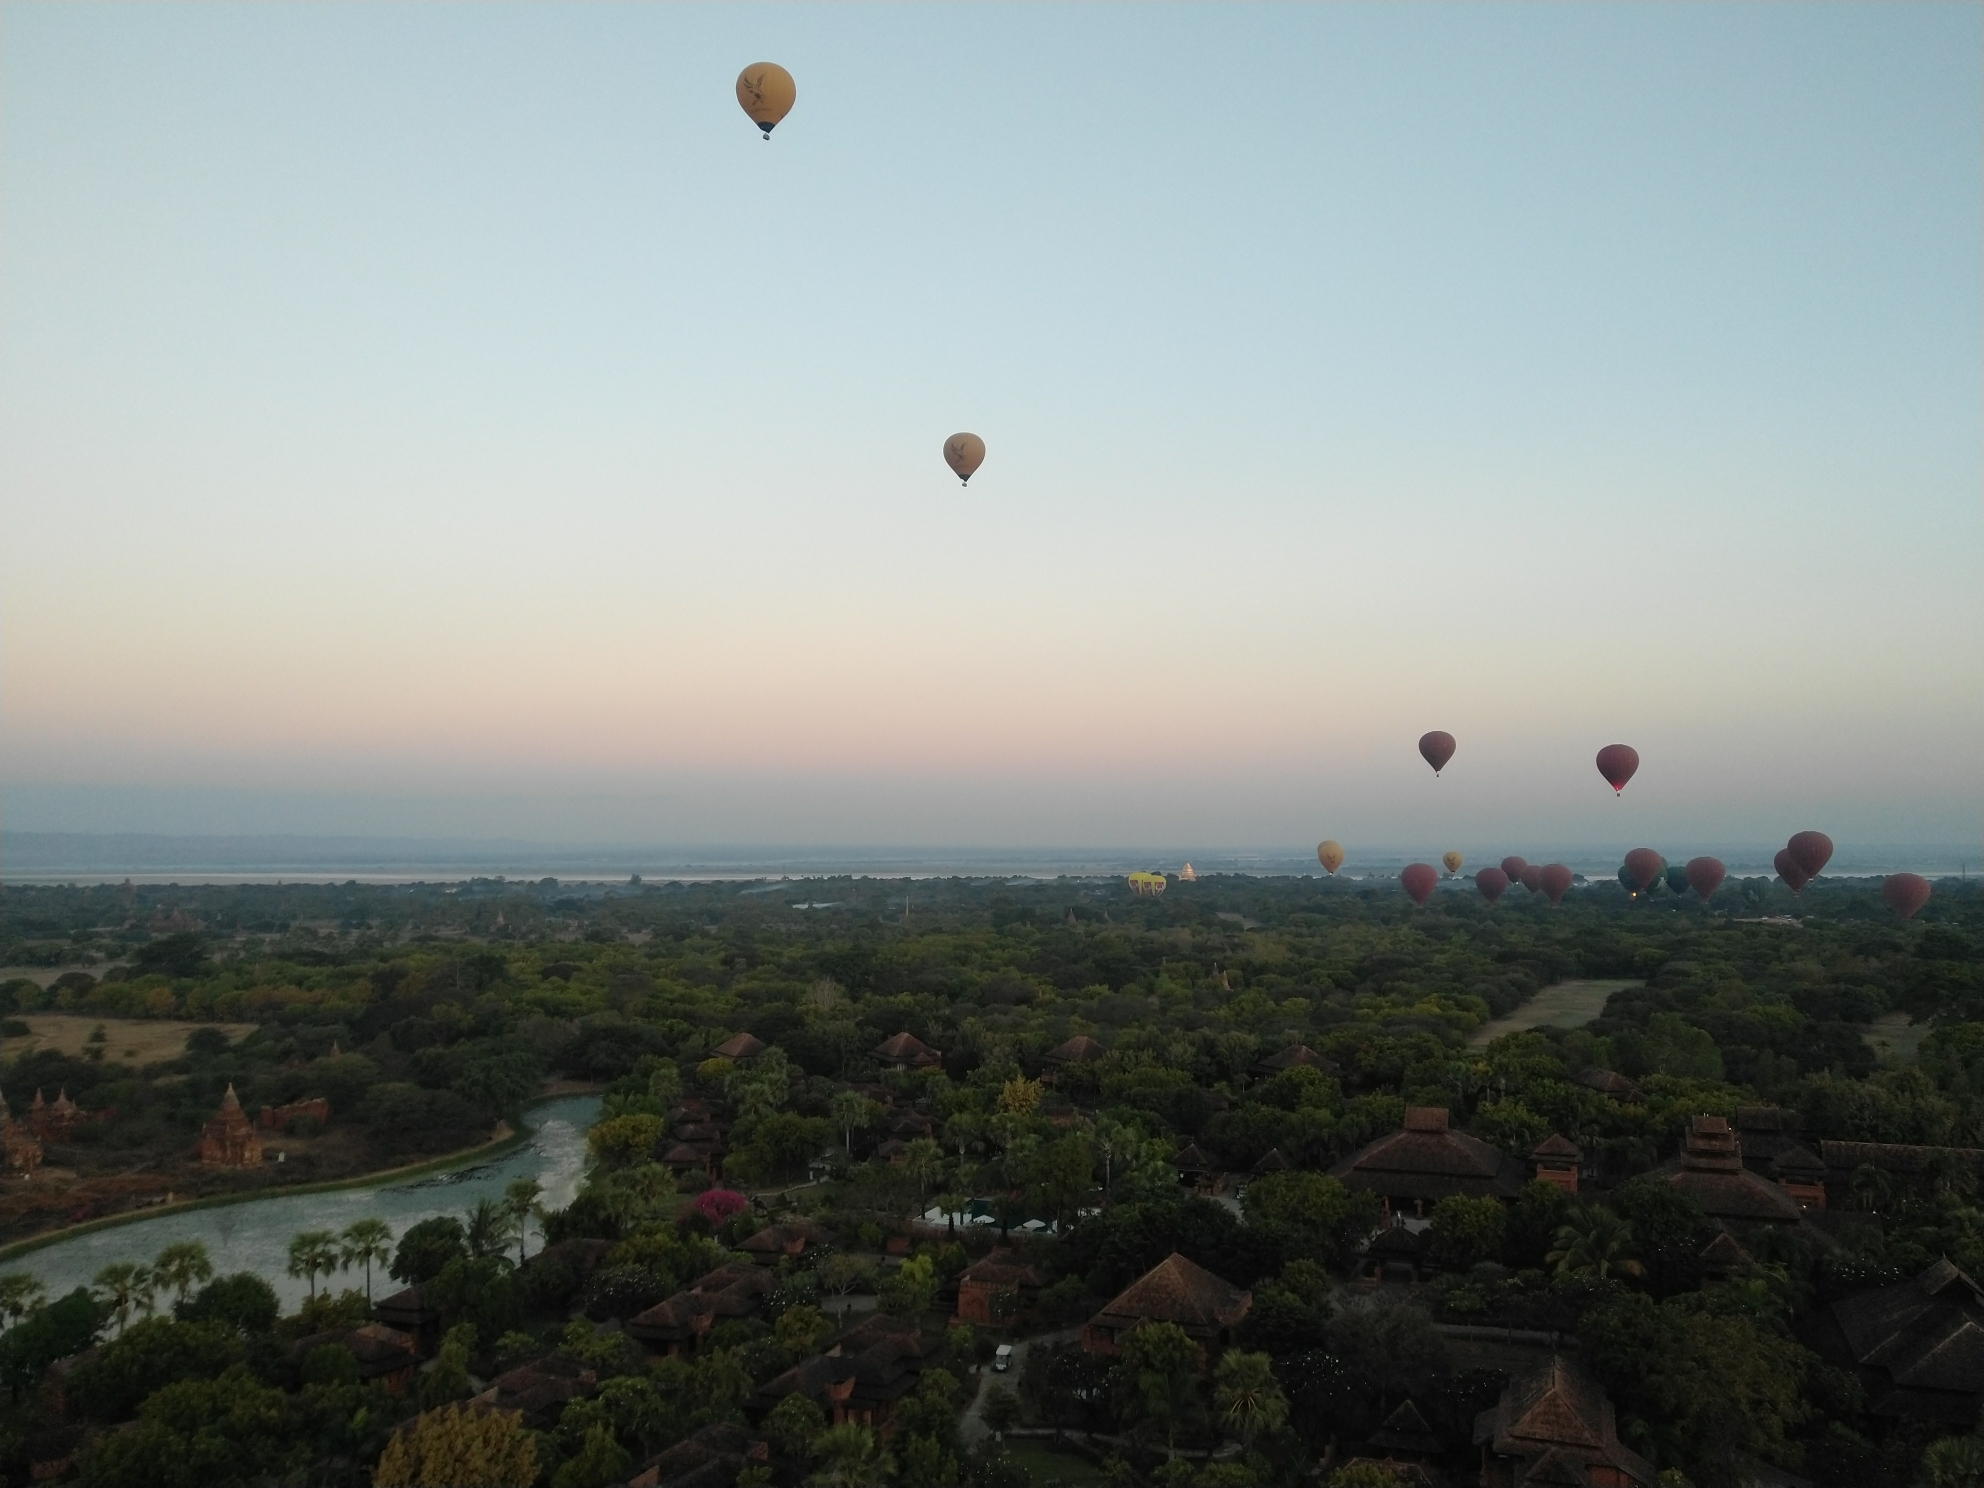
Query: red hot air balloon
column 1418, row 880
column 1811, row 851
column 1644, row 864
column 1705, row 875
column 1531, row 877
column 1905, row 893
column 1513, row 866
column 1788, row 870
column 1492, row 882
column 1437, row 748
column 1617, row 762
column 1556, row 881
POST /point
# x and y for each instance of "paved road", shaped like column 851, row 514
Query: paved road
column 973, row 1428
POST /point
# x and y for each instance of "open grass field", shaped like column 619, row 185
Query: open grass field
column 133, row 1041
column 1895, row 1040
column 1045, row 1466
column 1565, row 1005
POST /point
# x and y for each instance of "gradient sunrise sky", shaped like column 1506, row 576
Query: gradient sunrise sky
column 455, row 420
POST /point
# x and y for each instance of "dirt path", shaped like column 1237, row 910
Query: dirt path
column 1564, row 1005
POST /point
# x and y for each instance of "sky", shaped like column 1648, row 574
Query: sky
column 456, row 420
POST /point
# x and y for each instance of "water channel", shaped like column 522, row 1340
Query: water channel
column 254, row 1236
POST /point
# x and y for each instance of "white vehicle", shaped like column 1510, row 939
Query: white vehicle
column 1002, row 1357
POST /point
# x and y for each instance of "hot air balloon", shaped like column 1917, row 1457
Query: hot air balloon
column 1811, row 851
column 1531, row 877
column 1644, row 864
column 1617, row 762
column 1452, row 860
column 1788, row 870
column 1626, row 880
column 1677, row 878
column 1513, row 866
column 1705, row 875
column 1492, row 882
column 1438, row 748
column 766, row 92
column 1330, row 855
column 964, row 453
column 1555, row 880
column 1905, row 893
column 1418, row 879
column 1146, row 883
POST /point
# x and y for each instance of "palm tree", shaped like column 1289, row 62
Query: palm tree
column 850, row 1457
column 520, row 1199
column 363, row 1242
column 1595, row 1243
column 488, row 1228
column 116, row 1287
column 312, row 1254
column 1248, row 1397
column 144, row 1290
column 923, row 1163
column 20, row 1294
column 850, row 1110
column 183, row 1266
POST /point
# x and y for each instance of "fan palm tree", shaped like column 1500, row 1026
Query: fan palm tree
column 20, row 1294
column 520, row 1200
column 487, row 1229
column 312, row 1254
column 183, row 1266
column 1595, row 1243
column 363, row 1242
column 1248, row 1397
column 116, row 1288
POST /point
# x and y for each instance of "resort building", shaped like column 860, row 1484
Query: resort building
column 1555, row 1425
column 907, row 1052
column 1175, row 1290
column 1710, row 1171
column 1413, row 1169
column 1917, row 1346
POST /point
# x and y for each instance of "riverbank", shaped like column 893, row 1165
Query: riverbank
column 506, row 1139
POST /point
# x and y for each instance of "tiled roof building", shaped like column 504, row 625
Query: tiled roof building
column 739, row 1047
column 1711, row 1172
column 1413, row 1169
column 711, row 1458
column 680, row 1323
column 1297, row 1056
column 1555, row 1426
column 862, row 1373
column 1081, row 1049
column 993, row 1291
column 907, row 1051
column 1175, row 1290
column 1918, row 1346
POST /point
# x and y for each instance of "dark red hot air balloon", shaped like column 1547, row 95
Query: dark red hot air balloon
column 1617, row 762
column 1810, row 851
column 1437, row 748
column 1905, row 893
column 1418, row 879
column 1644, row 864
column 1556, row 881
column 1531, row 877
column 1788, row 870
column 1513, row 866
column 1492, row 882
column 1705, row 875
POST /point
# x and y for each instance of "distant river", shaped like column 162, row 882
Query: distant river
column 255, row 1236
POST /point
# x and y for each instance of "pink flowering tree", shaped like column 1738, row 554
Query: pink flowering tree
column 719, row 1204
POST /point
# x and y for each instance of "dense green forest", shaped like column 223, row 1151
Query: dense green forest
column 424, row 1014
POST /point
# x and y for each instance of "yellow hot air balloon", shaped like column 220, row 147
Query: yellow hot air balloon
column 1330, row 855
column 964, row 453
column 766, row 92
column 1146, row 883
column 1453, row 860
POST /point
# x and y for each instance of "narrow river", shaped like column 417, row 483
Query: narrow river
column 255, row 1236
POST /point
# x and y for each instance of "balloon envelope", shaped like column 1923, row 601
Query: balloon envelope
column 1531, row 877
column 1492, row 882
column 1330, row 855
column 1556, row 881
column 1705, row 875
column 964, row 453
column 1644, row 864
column 1811, row 851
column 1418, row 880
column 1437, row 748
column 1617, row 762
column 1452, row 860
column 1677, row 878
column 1513, row 866
column 1788, row 870
column 1905, row 893
column 766, row 92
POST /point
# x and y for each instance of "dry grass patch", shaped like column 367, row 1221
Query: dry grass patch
column 133, row 1041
